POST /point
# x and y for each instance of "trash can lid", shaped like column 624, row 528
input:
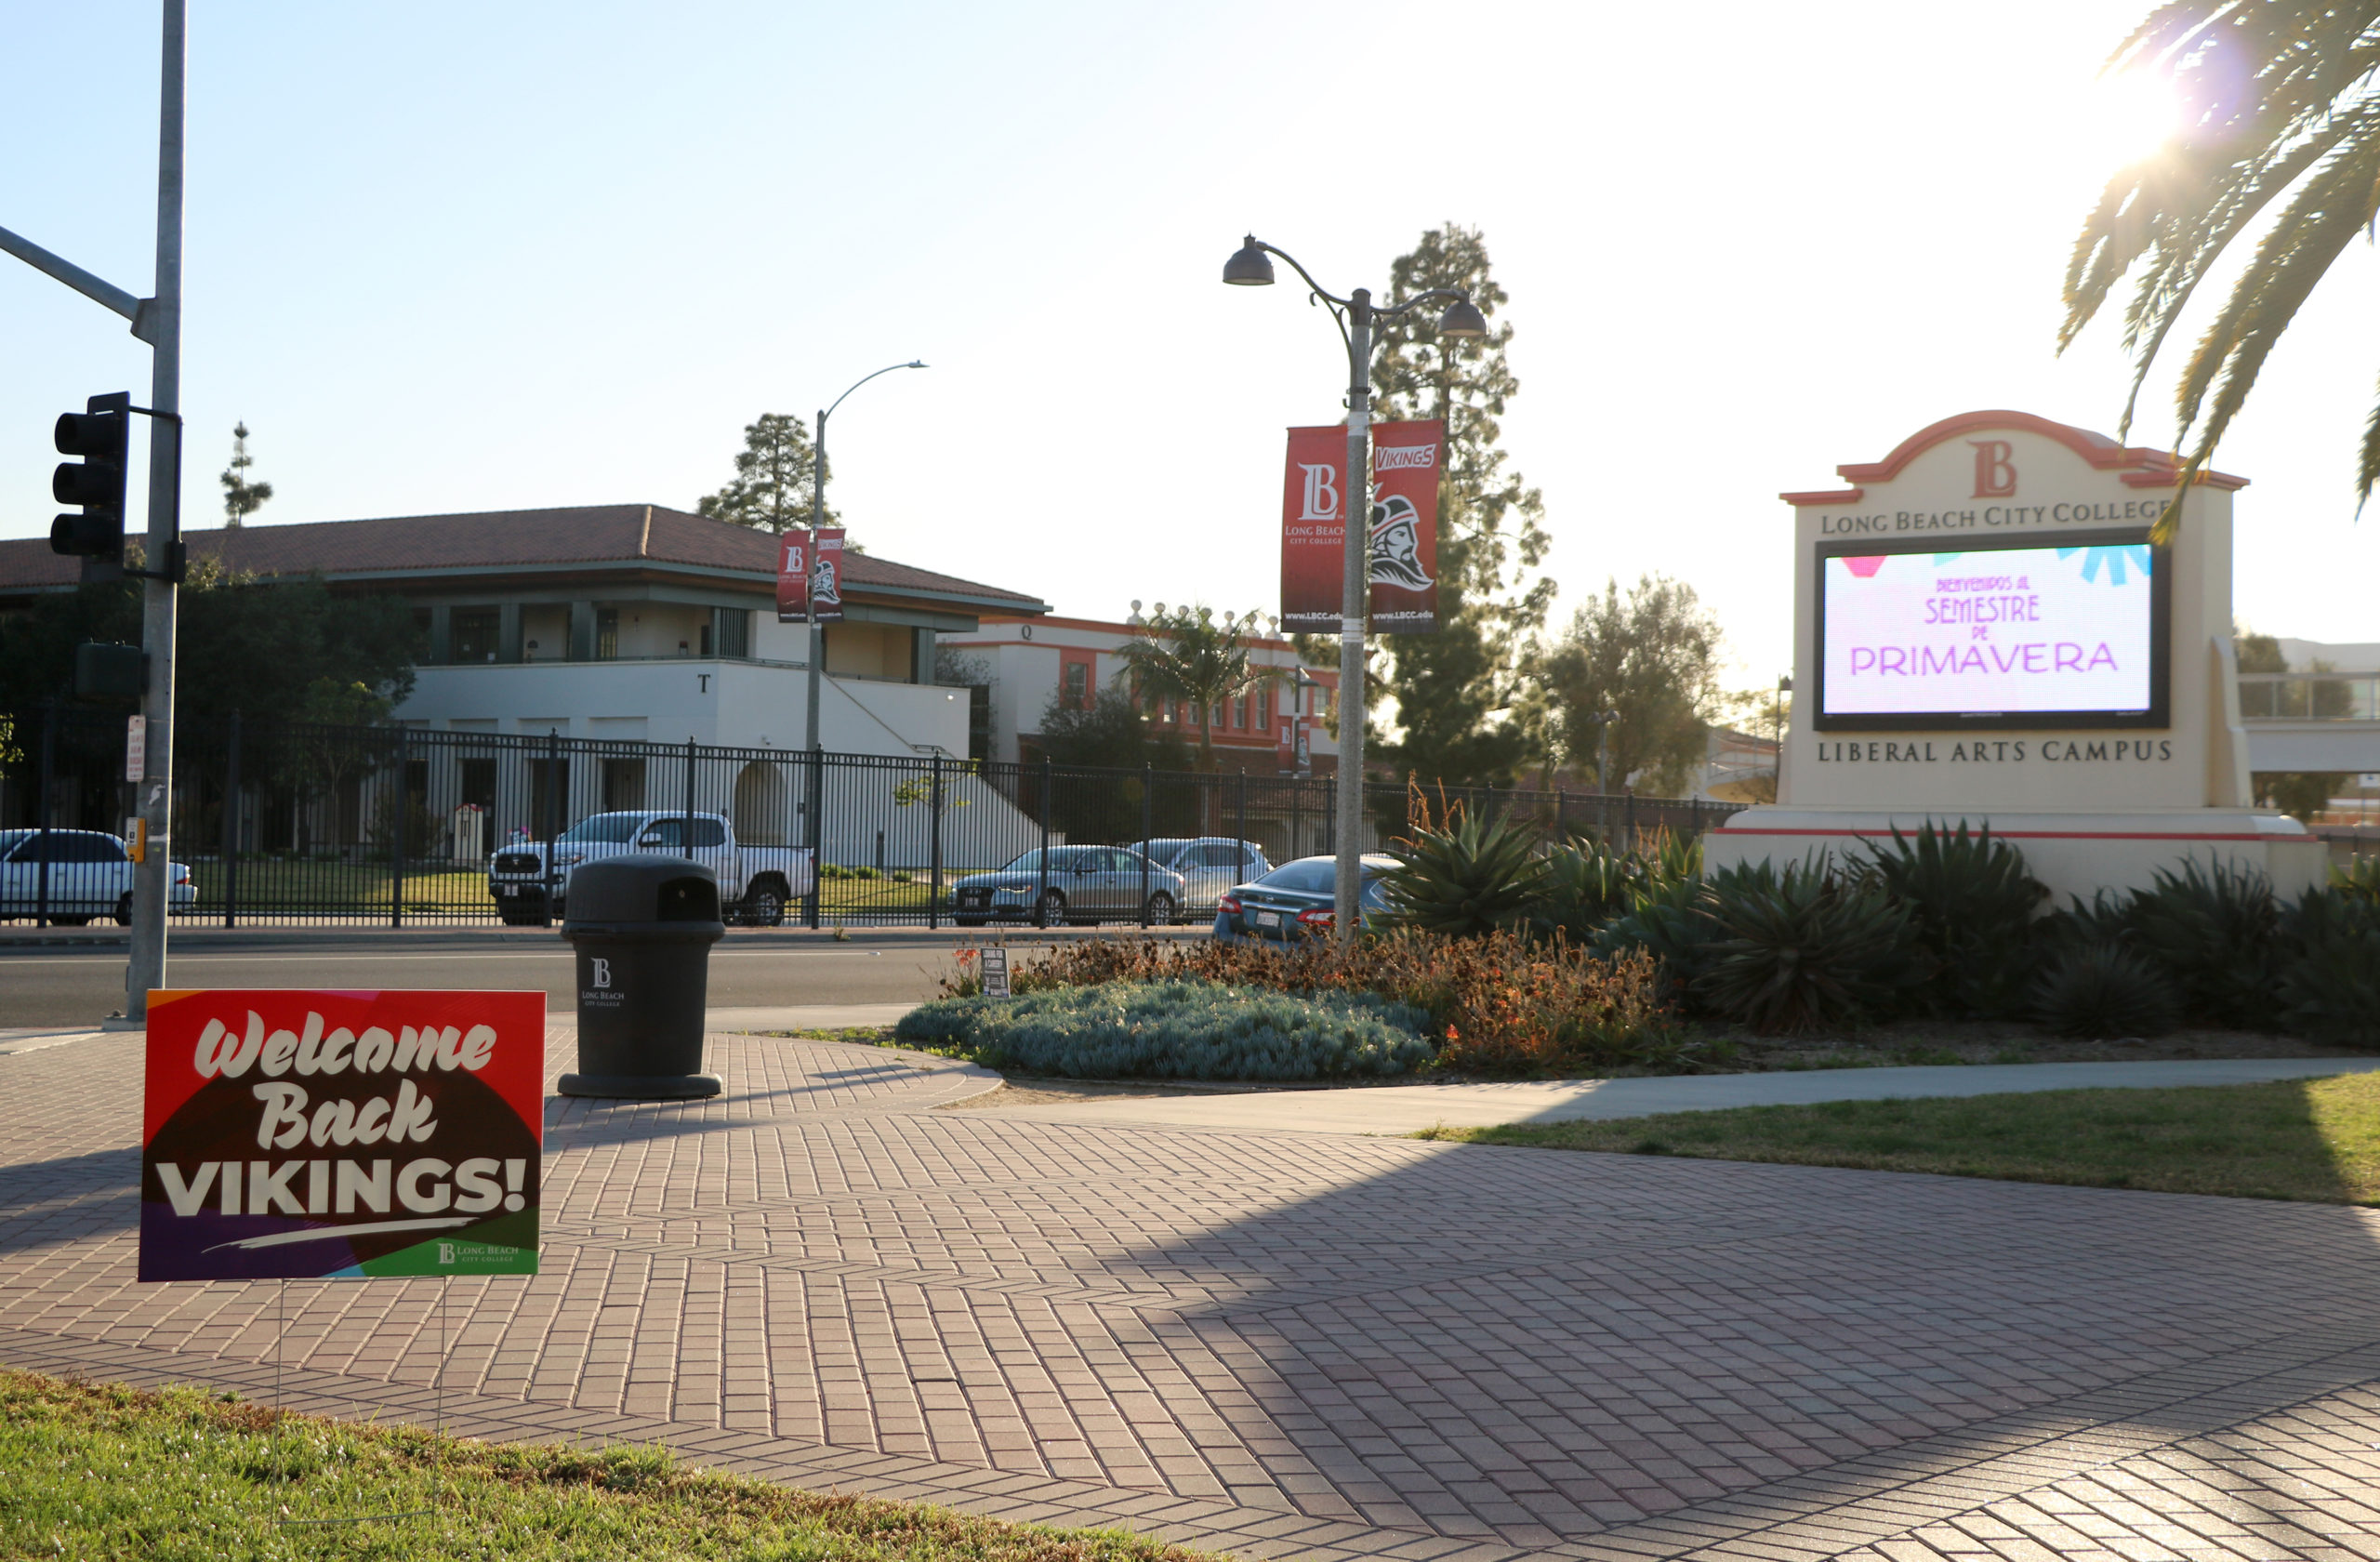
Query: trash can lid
column 643, row 887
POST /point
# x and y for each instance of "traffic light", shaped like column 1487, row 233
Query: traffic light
column 100, row 436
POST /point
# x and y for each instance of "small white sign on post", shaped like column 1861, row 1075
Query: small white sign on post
column 135, row 748
column 996, row 973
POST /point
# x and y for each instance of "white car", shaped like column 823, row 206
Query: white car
column 89, row 876
column 756, row 883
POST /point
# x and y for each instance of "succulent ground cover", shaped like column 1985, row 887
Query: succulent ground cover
column 2317, row 1140
column 1179, row 1029
column 96, row 1470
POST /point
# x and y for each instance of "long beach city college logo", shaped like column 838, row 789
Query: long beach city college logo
column 1995, row 474
column 1321, row 493
column 1397, row 545
column 792, row 559
column 603, row 970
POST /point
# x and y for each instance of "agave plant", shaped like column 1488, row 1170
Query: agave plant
column 2214, row 930
column 1973, row 904
column 2329, row 987
column 1807, row 950
column 2099, row 990
column 1670, row 922
column 1469, row 876
column 1586, row 885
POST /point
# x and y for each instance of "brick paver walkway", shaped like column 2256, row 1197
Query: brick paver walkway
column 1288, row 1344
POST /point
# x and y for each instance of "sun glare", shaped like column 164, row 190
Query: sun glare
column 2123, row 119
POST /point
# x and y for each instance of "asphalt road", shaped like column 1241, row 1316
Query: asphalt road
column 49, row 985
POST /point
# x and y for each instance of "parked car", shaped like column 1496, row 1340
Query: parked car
column 1299, row 899
column 755, row 882
column 90, row 876
column 1209, row 865
column 1086, row 884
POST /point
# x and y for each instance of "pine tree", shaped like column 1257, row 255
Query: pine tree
column 1491, row 533
column 771, row 489
column 240, row 497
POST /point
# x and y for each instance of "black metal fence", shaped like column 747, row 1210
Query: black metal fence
column 285, row 823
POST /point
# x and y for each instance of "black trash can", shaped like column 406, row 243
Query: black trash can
column 643, row 926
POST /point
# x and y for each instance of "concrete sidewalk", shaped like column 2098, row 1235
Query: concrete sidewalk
column 1394, row 1109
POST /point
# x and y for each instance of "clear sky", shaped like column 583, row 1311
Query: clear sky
column 454, row 257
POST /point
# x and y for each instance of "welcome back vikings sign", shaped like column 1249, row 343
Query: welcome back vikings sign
column 305, row 1135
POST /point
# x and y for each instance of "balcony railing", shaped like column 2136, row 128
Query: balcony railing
column 2309, row 696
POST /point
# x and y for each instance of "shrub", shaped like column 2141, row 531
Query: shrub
column 2213, row 929
column 1501, row 1002
column 1972, row 905
column 1180, row 1030
column 1472, row 875
column 2329, row 987
column 1805, row 950
column 2099, row 990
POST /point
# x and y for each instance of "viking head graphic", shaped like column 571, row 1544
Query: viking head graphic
column 1397, row 545
column 829, row 589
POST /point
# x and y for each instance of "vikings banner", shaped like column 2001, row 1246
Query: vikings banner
column 1403, row 536
column 1313, row 518
column 793, row 577
column 327, row 1135
column 827, row 574
column 1406, row 459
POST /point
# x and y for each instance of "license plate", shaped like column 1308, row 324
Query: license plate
column 1268, row 919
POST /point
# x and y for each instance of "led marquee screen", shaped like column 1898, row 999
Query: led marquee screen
column 2010, row 636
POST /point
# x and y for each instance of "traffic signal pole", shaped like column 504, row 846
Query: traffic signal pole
column 152, row 880
column 158, row 321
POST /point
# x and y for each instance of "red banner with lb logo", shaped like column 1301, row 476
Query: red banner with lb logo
column 1313, row 509
column 793, row 577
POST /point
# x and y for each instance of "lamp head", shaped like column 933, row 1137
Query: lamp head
column 1250, row 267
column 1462, row 321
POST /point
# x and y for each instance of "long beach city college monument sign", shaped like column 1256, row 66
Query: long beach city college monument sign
column 290, row 1135
column 1985, row 633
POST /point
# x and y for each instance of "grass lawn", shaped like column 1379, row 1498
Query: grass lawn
column 2310, row 1138
column 99, row 1471
column 268, row 884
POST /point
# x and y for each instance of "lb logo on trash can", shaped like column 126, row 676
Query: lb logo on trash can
column 596, row 990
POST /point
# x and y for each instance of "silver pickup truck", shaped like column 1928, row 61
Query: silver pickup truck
column 755, row 882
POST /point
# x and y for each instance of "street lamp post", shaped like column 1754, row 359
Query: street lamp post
column 1776, row 737
column 1355, row 313
column 817, row 682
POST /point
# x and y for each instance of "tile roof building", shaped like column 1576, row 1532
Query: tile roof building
column 624, row 621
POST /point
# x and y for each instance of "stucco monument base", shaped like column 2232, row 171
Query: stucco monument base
column 2075, row 854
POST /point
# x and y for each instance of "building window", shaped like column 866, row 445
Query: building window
column 1264, row 710
column 1239, row 713
column 472, row 631
column 1074, row 687
column 607, row 634
column 730, row 632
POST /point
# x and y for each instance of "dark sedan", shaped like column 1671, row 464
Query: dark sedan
column 1297, row 899
column 1081, row 884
